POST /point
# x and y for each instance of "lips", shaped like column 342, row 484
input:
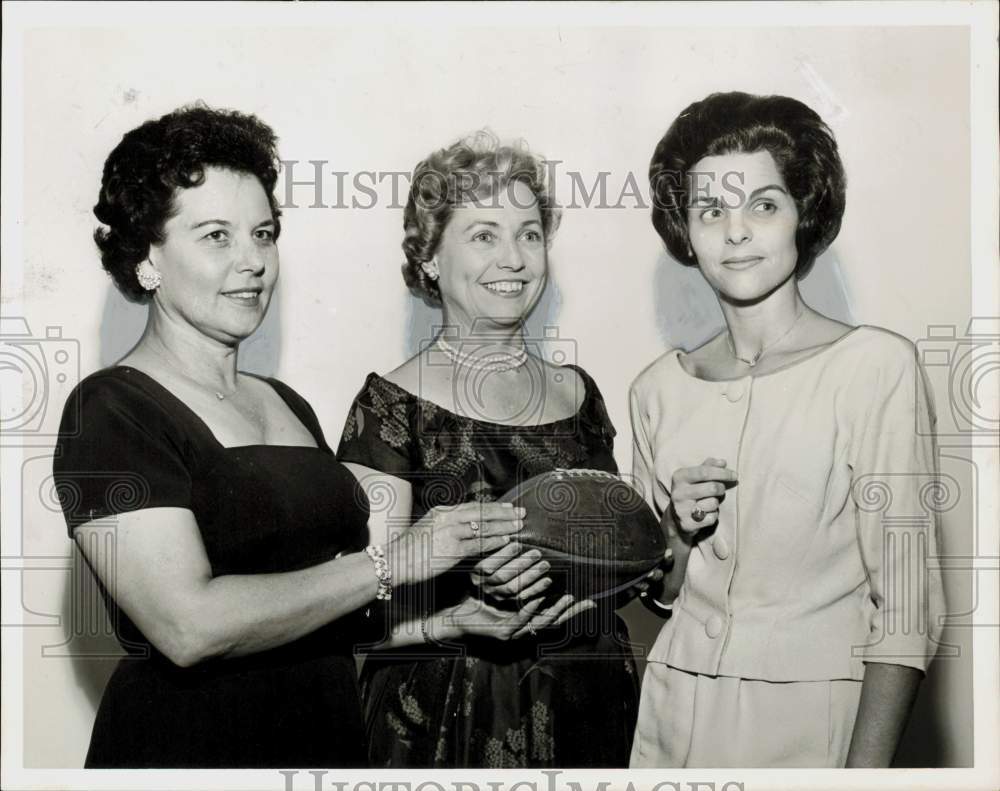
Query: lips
column 742, row 262
column 248, row 297
column 505, row 288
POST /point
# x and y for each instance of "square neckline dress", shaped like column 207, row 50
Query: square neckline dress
column 260, row 509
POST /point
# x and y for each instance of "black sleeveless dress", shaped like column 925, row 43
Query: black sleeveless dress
column 566, row 699
column 260, row 509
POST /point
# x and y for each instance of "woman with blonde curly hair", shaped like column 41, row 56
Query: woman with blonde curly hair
column 474, row 413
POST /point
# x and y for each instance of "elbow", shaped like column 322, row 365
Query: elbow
column 187, row 643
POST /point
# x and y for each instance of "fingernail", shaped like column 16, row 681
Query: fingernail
column 508, row 505
column 522, row 511
column 534, row 554
column 545, row 565
column 546, row 582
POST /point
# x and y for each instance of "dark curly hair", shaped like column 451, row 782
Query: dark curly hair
column 474, row 168
column 152, row 162
column 803, row 148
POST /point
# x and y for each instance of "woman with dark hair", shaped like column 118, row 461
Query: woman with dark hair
column 801, row 626
column 231, row 546
column 474, row 413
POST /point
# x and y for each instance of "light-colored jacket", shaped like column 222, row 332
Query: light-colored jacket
column 820, row 559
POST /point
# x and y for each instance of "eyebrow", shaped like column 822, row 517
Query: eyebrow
column 209, row 222
column 704, row 201
column 474, row 223
column 492, row 224
column 227, row 224
column 759, row 190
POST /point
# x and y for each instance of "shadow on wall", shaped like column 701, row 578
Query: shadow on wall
column 122, row 324
column 688, row 314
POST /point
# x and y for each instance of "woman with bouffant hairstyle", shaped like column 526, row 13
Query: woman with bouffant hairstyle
column 231, row 546
column 799, row 142
column 476, row 412
column 794, row 640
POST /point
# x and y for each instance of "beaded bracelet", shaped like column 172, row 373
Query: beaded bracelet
column 382, row 572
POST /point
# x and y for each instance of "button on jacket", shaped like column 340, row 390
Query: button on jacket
column 820, row 558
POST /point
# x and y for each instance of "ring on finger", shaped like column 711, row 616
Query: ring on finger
column 475, row 527
column 697, row 514
column 531, row 630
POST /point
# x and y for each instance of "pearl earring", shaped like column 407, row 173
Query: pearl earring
column 431, row 273
column 148, row 277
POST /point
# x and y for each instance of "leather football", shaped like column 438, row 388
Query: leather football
column 594, row 529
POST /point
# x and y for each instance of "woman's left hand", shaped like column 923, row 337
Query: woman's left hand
column 474, row 616
column 512, row 572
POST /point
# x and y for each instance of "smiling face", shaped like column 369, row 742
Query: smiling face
column 492, row 259
column 218, row 260
column 741, row 225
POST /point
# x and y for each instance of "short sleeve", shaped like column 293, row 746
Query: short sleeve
column 642, row 453
column 896, row 489
column 123, row 457
column 378, row 432
column 594, row 412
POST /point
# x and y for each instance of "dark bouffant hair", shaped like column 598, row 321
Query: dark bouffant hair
column 145, row 170
column 472, row 169
column 803, row 148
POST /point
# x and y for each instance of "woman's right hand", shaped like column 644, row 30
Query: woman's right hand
column 703, row 488
column 445, row 535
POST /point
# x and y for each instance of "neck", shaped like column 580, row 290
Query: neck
column 209, row 362
column 754, row 326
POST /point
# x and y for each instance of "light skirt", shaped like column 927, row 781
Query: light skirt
column 691, row 720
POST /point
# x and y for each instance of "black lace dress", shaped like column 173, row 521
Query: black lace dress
column 568, row 698
column 261, row 509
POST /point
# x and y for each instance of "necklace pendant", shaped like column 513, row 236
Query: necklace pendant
column 220, row 396
column 753, row 360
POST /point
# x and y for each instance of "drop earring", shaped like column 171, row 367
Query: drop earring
column 147, row 276
column 431, row 269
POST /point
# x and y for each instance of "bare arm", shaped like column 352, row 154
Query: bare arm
column 163, row 581
column 887, row 696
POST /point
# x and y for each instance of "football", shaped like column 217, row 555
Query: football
column 594, row 529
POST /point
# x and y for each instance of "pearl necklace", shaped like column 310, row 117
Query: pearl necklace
column 493, row 362
column 756, row 358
